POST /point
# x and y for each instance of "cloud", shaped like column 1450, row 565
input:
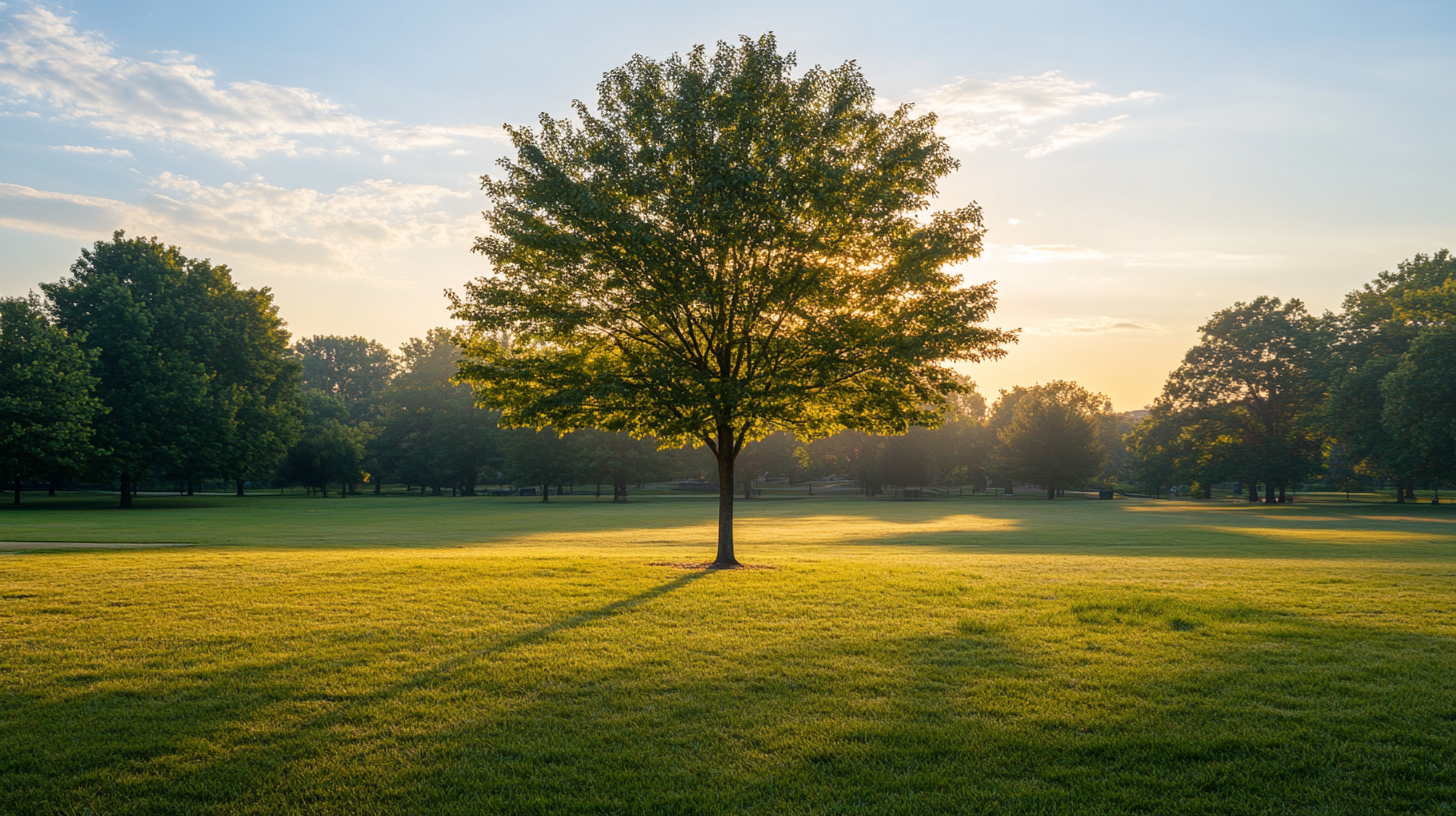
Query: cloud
column 1047, row 253
column 1198, row 258
column 45, row 60
column 1076, row 134
column 356, row 231
column 1093, row 325
column 975, row 113
column 95, row 151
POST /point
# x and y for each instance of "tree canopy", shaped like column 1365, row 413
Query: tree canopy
column 46, row 402
column 722, row 250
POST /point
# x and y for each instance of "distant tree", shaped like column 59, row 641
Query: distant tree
column 1051, row 438
column 188, row 365
column 543, row 457
column 997, row 419
column 1420, row 402
column 721, row 251
column 850, row 453
column 330, row 450
column 430, row 429
column 774, row 455
column 47, row 404
column 354, row 369
column 1112, row 432
column 908, row 459
column 1373, row 332
column 251, row 359
column 1254, row 378
column 963, row 444
column 618, row 459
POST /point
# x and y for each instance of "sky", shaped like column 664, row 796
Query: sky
column 1140, row 165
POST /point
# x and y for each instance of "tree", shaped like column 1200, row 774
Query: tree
column 538, row 457
column 1376, row 327
column 330, row 448
column 1253, row 378
column 354, row 369
column 775, row 454
column 430, row 429
column 46, row 400
column 189, row 366
column 1420, row 402
column 1051, row 437
column 618, row 459
column 258, row 379
column 721, row 251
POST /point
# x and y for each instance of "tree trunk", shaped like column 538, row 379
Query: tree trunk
column 189, row 487
column 1268, row 493
column 325, row 489
column 748, row 487
column 726, row 454
column 1253, row 492
column 1051, row 492
column 55, row 484
column 1410, row 490
column 125, row 491
column 377, row 485
column 470, row 483
column 240, row 487
column 17, row 490
column 1283, row 499
column 599, row 491
column 545, row 493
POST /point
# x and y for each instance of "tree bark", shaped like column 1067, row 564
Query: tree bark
column 1051, row 492
column 1253, row 492
column 125, row 491
column 545, row 493
column 726, row 453
column 240, row 487
column 1283, row 499
column 1268, row 493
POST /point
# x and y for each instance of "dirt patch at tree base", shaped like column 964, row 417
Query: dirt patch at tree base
column 708, row 565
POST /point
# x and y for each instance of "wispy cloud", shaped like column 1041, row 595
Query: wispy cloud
column 96, row 151
column 1198, row 258
column 975, row 113
column 1049, row 253
column 356, row 231
column 1094, row 325
column 1076, row 134
column 75, row 75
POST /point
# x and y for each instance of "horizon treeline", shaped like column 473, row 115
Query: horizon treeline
column 146, row 366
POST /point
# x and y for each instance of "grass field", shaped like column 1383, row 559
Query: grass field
column 437, row 655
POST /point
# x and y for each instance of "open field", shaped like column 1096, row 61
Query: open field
column 413, row 654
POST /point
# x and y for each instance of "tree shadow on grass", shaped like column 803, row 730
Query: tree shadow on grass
column 975, row 721
column 263, row 732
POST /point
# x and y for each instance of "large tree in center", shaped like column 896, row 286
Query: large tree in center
column 722, row 250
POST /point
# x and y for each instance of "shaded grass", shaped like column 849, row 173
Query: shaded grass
column 430, row 655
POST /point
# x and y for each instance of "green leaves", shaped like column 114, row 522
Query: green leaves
column 721, row 246
column 47, row 404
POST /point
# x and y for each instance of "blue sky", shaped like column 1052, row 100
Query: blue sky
column 1140, row 164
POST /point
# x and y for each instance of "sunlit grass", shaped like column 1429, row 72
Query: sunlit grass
column 486, row 655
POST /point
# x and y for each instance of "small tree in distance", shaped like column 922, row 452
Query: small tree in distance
column 1051, row 436
column 721, row 251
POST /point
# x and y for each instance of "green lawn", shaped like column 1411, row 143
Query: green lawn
column 438, row 655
